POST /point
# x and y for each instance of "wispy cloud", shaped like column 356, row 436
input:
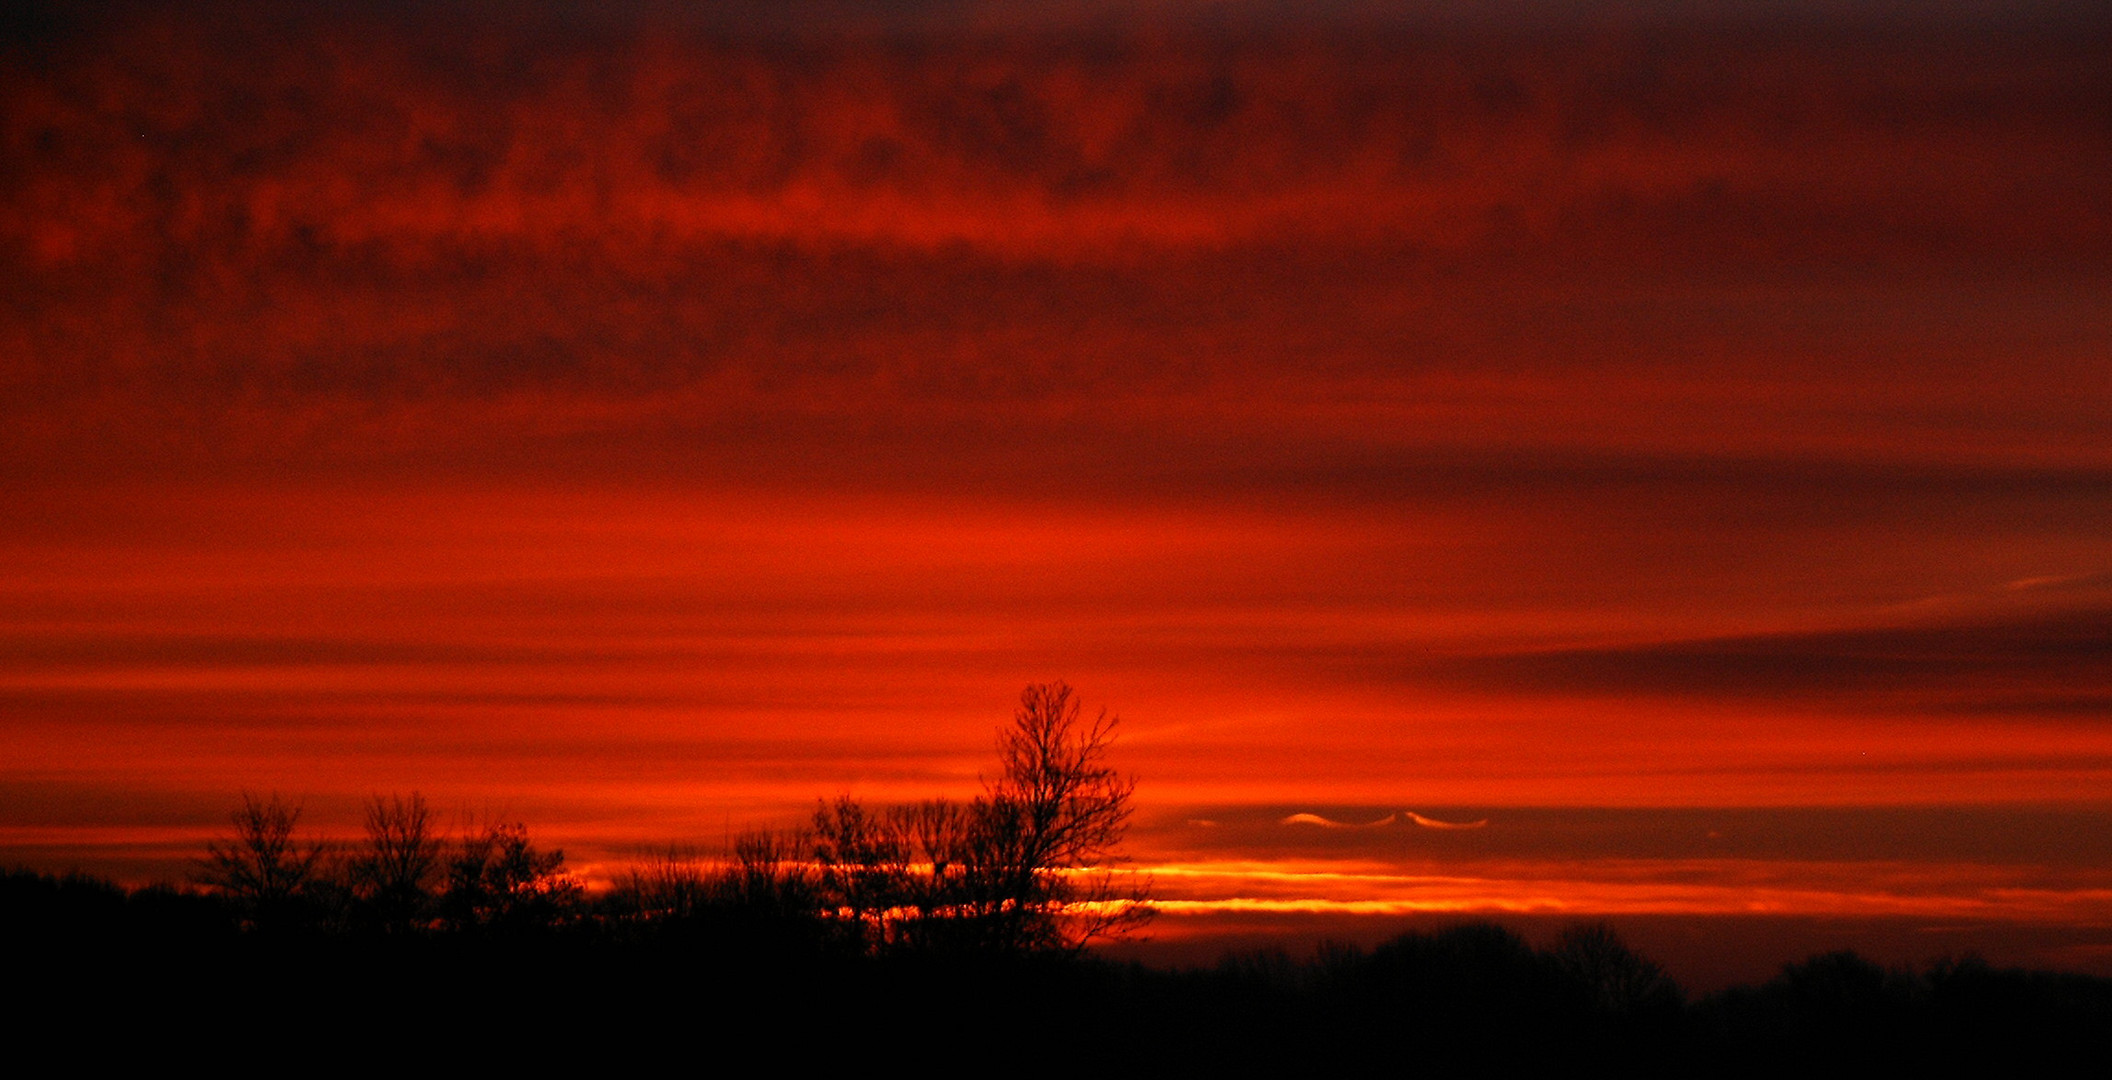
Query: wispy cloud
column 1967, row 653
column 2062, row 582
column 1433, row 823
column 1325, row 823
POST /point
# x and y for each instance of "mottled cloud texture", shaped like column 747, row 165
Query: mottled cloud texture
column 249, row 234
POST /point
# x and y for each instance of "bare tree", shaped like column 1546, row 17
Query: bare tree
column 774, row 889
column 1026, row 867
column 394, row 873
column 864, row 868
column 671, row 885
column 1047, row 830
column 263, row 869
column 1074, row 806
column 939, row 837
column 1619, row 979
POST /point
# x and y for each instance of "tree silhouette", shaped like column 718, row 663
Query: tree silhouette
column 1618, row 980
column 1028, row 866
column 1048, row 825
column 496, row 879
column 940, row 838
column 865, row 870
column 1023, row 868
column 671, row 885
column 263, row 869
column 392, row 876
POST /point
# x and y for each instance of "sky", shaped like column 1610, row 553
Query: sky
column 1675, row 437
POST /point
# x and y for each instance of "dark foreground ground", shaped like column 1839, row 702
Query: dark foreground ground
column 162, row 978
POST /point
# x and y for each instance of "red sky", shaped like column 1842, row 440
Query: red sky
column 645, row 421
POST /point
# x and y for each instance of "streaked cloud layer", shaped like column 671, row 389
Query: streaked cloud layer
column 651, row 421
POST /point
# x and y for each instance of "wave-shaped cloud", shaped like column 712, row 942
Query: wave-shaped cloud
column 1325, row 823
column 1407, row 816
column 1433, row 823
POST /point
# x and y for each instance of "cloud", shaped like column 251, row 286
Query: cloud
column 2068, row 837
column 2062, row 652
column 1433, row 823
column 1317, row 820
column 2062, row 583
column 1410, row 816
column 388, row 144
column 712, row 241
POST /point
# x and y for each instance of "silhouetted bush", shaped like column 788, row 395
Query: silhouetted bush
column 498, row 881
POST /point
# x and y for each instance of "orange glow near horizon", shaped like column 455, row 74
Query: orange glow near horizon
column 642, row 430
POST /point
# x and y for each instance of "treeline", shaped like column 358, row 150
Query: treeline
column 402, row 877
column 1024, row 868
column 1473, row 998
column 1478, row 998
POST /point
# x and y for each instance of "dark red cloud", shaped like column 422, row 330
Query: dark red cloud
column 260, row 237
column 405, row 142
column 1977, row 665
